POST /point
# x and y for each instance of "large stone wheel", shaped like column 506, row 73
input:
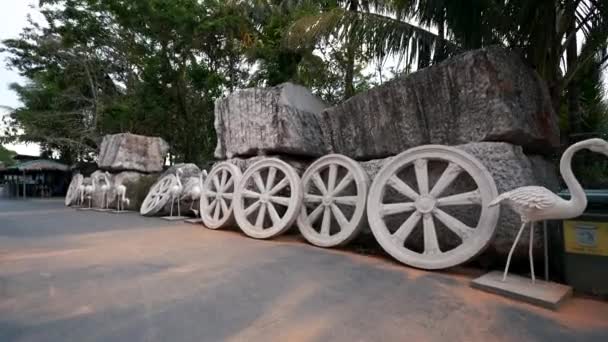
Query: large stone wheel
column 268, row 199
column 73, row 194
column 335, row 191
column 418, row 201
column 158, row 196
column 217, row 198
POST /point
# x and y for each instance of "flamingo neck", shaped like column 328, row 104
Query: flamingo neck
column 578, row 199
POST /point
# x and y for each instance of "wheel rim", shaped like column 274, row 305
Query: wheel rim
column 72, row 194
column 216, row 206
column 158, row 196
column 429, row 209
column 268, row 199
column 335, row 192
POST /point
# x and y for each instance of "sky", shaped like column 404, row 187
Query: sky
column 13, row 18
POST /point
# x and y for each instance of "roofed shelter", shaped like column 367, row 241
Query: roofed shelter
column 35, row 178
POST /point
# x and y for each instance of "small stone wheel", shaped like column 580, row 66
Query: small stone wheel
column 158, row 196
column 217, row 195
column 421, row 223
column 73, row 193
column 268, row 199
column 335, row 191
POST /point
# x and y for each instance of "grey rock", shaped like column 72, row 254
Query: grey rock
column 510, row 168
column 130, row 152
column 300, row 165
column 481, row 95
column 281, row 119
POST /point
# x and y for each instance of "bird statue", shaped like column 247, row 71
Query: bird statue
column 105, row 188
column 89, row 189
column 121, row 199
column 81, row 191
column 193, row 190
column 536, row 203
column 176, row 191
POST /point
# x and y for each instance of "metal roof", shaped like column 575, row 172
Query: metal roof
column 40, row 165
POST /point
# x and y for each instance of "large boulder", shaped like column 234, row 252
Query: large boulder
column 481, row 95
column 300, row 165
column 281, row 119
column 130, row 152
column 510, row 169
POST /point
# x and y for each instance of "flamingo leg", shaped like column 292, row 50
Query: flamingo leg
column 179, row 212
column 521, row 229
column 172, row 202
column 530, row 252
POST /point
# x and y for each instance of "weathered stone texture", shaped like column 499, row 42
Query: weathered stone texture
column 482, row 95
column 130, row 152
column 281, row 119
column 511, row 169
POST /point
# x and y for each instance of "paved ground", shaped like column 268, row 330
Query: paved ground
column 67, row 275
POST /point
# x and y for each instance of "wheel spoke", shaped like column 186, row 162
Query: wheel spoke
column 319, row 183
column 326, row 221
column 431, row 244
column 226, row 195
column 396, row 208
column 454, row 224
column 331, row 178
column 252, row 208
column 466, row 198
column 313, row 198
column 422, row 176
column 348, row 200
column 259, row 221
column 258, row 181
column 216, row 213
column 224, row 206
column 339, row 216
column 250, row 194
column 284, row 201
column 274, row 216
column 314, row 215
column 343, row 184
column 282, row 184
column 406, row 228
column 403, row 188
column 228, row 184
column 223, row 181
column 216, row 183
column 447, row 177
column 212, row 206
column 210, row 194
column 272, row 172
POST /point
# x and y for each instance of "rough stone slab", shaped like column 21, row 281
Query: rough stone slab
column 541, row 293
column 125, row 151
column 481, row 95
column 282, row 119
column 510, row 168
column 300, row 165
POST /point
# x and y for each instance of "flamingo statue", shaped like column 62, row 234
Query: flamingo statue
column 89, row 190
column 81, row 191
column 104, row 190
column 121, row 197
column 194, row 193
column 176, row 191
column 536, row 203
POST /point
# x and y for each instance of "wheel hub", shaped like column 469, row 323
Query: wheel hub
column 327, row 201
column 425, row 204
column 264, row 198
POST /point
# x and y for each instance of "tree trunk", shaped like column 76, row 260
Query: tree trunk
column 573, row 91
column 349, row 73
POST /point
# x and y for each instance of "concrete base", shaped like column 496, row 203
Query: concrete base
column 84, row 208
column 102, row 210
column 194, row 221
column 174, row 218
column 541, row 293
column 121, row 211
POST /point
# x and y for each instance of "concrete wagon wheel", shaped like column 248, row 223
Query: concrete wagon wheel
column 217, row 197
column 268, row 199
column 335, row 192
column 158, row 196
column 73, row 192
column 418, row 201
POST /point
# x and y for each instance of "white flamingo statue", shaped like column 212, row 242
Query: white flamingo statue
column 176, row 191
column 81, row 191
column 194, row 193
column 104, row 190
column 89, row 190
column 121, row 197
column 536, row 203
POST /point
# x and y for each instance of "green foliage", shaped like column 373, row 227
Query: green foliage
column 6, row 156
